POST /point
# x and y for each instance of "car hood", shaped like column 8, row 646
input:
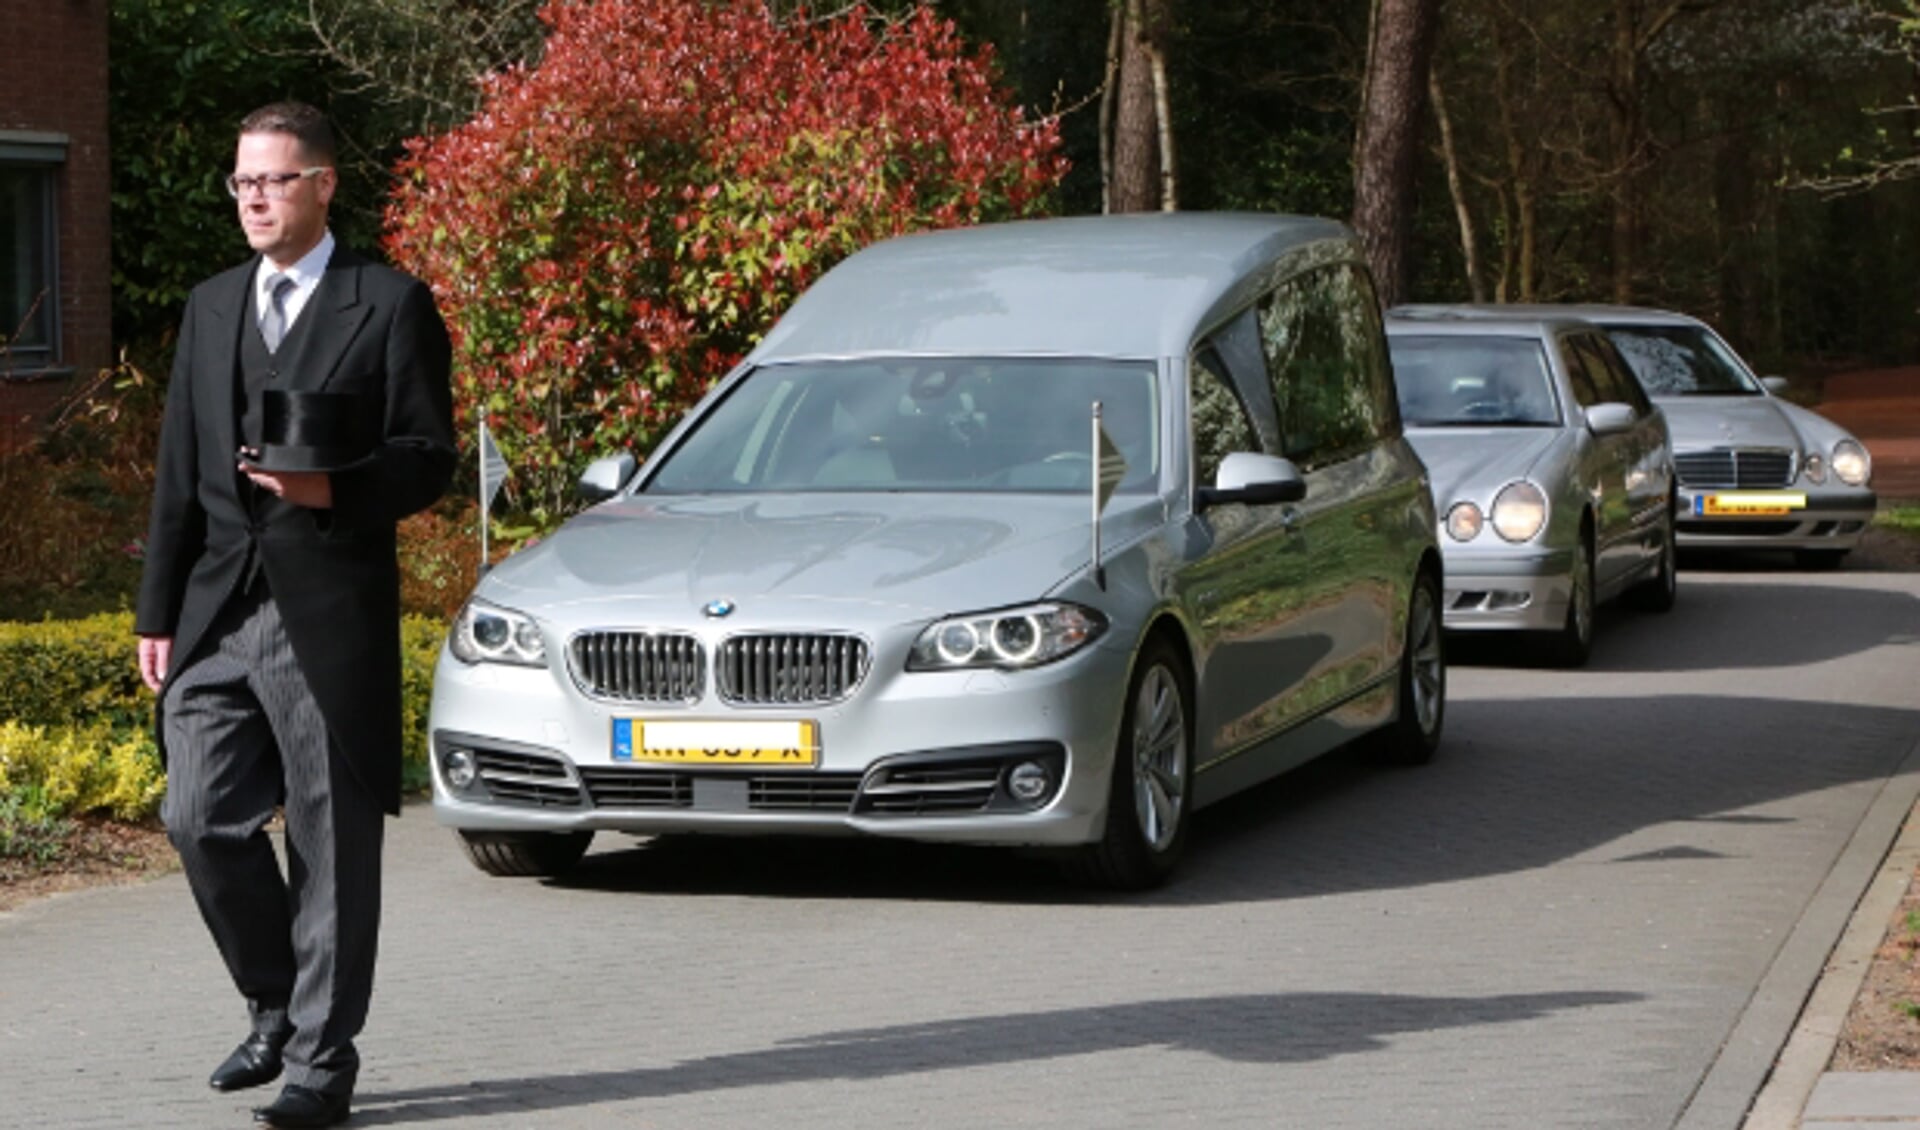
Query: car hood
column 1698, row 422
column 779, row 557
column 1473, row 463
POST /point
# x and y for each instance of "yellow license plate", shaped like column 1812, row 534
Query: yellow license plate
column 1749, row 504
column 760, row 742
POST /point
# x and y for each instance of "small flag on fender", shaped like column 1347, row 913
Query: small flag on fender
column 1112, row 465
column 493, row 468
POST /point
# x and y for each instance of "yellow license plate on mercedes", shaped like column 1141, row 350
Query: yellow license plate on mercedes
column 1749, row 504
column 762, row 743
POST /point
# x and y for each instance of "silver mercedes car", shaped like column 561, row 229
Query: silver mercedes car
column 1043, row 534
column 1756, row 471
column 1551, row 469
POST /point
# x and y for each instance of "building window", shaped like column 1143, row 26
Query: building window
column 29, row 259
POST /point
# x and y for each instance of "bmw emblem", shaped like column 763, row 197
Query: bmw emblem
column 718, row 608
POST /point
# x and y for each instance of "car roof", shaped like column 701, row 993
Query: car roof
column 1142, row 285
column 1597, row 313
column 1440, row 322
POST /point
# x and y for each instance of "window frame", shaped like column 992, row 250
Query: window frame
column 42, row 157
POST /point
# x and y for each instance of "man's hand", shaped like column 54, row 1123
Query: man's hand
column 156, row 653
column 311, row 489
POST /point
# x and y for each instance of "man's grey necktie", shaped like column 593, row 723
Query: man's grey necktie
column 273, row 326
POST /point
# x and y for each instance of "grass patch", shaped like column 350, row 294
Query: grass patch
column 28, row 833
column 1900, row 517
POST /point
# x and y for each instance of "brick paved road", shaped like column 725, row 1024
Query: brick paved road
column 1558, row 924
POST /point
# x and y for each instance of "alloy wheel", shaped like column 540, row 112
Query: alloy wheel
column 1159, row 757
column 1429, row 668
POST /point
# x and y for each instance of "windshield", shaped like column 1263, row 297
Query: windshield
column 1473, row 382
column 944, row 424
column 1682, row 361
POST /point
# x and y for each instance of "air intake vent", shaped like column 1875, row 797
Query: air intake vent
column 787, row 670
column 938, row 788
column 526, row 779
column 669, row 788
column 638, row 666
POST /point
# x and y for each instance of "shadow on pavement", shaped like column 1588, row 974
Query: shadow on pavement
column 1727, row 625
column 1278, row 1028
column 1518, row 784
column 1521, row 784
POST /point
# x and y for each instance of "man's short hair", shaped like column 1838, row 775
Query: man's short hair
column 307, row 125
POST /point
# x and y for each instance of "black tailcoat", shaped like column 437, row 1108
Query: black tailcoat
column 333, row 573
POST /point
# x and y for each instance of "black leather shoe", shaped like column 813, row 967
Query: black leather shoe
column 300, row 1108
column 255, row 1061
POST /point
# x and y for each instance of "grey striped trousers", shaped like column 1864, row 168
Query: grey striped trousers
column 244, row 735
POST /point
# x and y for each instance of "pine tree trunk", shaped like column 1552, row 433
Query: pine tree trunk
column 1397, row 63
column 1625, row 136
column 1135, row 186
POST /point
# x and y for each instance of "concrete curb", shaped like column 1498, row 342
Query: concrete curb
column 1809, row 1045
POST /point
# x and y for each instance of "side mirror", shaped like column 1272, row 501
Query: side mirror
column 1778, row 386
column 603, row 478
column 1254, row 480
column 1609, row 419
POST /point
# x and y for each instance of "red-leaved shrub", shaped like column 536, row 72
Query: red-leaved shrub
column 619, row 224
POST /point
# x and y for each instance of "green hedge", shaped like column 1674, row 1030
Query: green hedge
column 72, row 673
column 76, row 722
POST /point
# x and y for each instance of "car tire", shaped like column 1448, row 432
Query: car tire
column 1818, row 560
column 1658, row 592
column 525, row 854
column 1572, row 644
column 1414, row 736
column 1146, row 828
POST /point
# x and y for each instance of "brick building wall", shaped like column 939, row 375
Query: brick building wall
column 55, row 85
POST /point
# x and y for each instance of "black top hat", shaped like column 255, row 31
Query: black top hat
column 315, row 431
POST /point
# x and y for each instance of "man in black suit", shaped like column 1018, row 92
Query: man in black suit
column 269, row 616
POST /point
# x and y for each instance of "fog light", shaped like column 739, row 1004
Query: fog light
column 460, row 768
column 1029, row 781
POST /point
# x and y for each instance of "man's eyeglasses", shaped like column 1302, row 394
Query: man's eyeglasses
column 274, row 186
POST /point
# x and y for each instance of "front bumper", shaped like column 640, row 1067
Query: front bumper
column 923, row 756
column 1833, row 518
column 1517, row 591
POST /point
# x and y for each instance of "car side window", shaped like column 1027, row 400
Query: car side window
column 1327, row 400
column 1586, row 392
column 1610, row 383
column 1220, row 422
column 1366, row 341
column 1626, row 386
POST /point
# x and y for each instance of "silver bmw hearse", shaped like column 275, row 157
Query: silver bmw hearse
column 1043, row 534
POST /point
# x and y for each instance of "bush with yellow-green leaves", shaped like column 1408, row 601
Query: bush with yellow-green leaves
column 76, row 724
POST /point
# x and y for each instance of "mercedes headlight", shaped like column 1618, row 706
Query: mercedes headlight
column 1850, row 462
column 483, row 633
column 1519, row 511
column 1464, row 521
column 1012, row 639
column 1814, row 468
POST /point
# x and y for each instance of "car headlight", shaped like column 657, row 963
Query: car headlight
column 1519, row 511
column 1814, row 469
column 1464, row 521
column 1850, row 462
column 1014, row 638
column 483, row 633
